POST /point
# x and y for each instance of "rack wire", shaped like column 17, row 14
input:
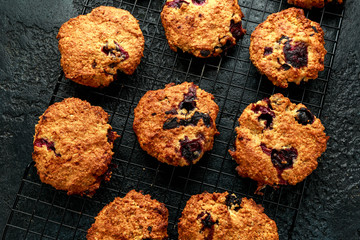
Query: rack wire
column 41, row 212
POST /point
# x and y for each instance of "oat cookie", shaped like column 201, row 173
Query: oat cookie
column 312, row 3
column 134, row 217
column 176, row 125
column 224, row 216
column 73, row 146
column 204, row 28
column 278, row 142
column 95, row 46
column 288, row 47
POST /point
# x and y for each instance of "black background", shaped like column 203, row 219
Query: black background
column 30, row 67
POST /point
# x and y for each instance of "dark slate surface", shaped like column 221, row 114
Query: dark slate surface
column 29, row 68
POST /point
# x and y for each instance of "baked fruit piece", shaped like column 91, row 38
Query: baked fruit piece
column 176, row 125
column 278, row 142
column 312, row 3
column 204, row 28
column 288, row 47
column 224, row 216
column 95, row 46
column 73, row 146
column 134, row 217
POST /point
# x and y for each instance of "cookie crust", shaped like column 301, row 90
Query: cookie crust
column 224, row 216
column 288, row 47
column 134, row 217
column 204, row 28
column 312, row 3
column 73, row 146
column 95, row 46
column 278, row 142
column 176, row 124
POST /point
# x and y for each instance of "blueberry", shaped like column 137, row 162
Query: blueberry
column 268, row 51
column 190, row 149
column 285, row 66
column 236, row 30
column 297, row 54
column 265, row 149
column 197, row 116
column 232, row 200
column 304, row 116
column 205, row 53
column 266, row 114
column 117, row 52
column 49, row 145
column 176, row 3
column 189, row 99
column 172, row 111
column 198, row 2
column 284, row 158
column 171, row 123
column 206, row 220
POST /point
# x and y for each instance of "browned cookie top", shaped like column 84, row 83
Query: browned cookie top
column 134, row 217
column 204, row 28
column 73, row 146
column 224, row 216
column 278, row 142
column 288, row 47
column 312, row 3
column 95, row 46
column 176, row 125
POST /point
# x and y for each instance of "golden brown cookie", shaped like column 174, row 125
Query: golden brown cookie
column 288, row 47
column 134, row 217
column 73, row 146
column 204, row 28
column 224, row 216
column 312, row 3
column 176, row 125
column 95, row 46
column 278, row 142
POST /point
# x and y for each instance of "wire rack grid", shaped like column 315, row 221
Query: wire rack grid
column 41, row 212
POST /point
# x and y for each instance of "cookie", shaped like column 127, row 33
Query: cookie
column 204, row 28
column 278, row 142
column 224, row 216
column 288, row 47
column 312, row 3
column 94, row 47
column 176, row 125
column 73, row 146
column 134, row 217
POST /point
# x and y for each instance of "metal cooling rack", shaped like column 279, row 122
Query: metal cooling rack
column 41, row 212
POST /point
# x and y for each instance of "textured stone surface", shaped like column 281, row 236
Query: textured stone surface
column 29, row 68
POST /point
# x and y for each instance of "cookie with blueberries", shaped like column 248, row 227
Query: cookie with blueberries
column 73, row 146
column 278, row 142
column 94, row 47
column 312, row 3
column 204, row 28
column 176, row 124
column 135, row 216
column 224, row 216
column 288, row 47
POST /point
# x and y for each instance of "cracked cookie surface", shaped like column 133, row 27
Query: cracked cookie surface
column 95, row 46
column 288, row 47
column 176, row 124
column 73, row 146
column 204, row 28
column 224, row 216
column 133, row 217
column 278, row 142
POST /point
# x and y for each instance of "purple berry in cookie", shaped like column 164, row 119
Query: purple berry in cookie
column 206, row 220
column 236, row 30
column 266, row 114
column 232, row 200
column 176, row 3
column 170, row 124
column 268, row 51
column 265, row 149
column 304, row 116
column 189, row 99
column 296, row 54
column 49, row 145
column 285, row 66
column 118, row 52
column 190, row 149
column 198, row 2
column 111, row 136
column 172, row 111
column 197, row 116
column 205, row 53
column 284, row 158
